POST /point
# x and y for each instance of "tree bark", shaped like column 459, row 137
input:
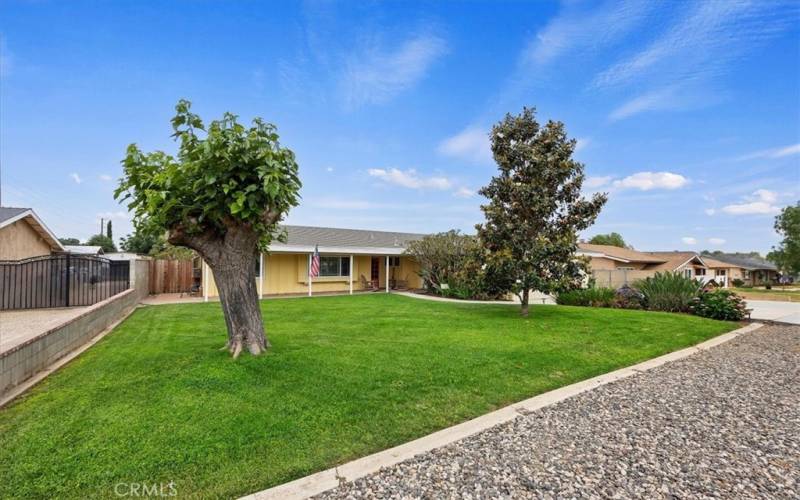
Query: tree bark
column 231, row 259
column 524, row 300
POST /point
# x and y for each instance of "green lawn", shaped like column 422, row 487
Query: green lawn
column 156, row 401
column 776, row 294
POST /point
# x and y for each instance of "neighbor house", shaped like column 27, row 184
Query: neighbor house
column 84, row 249
column 24, row 235
column 751, row 271
column 351, row 260
column 614, row 266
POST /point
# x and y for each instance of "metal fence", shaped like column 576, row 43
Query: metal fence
column 60, row 281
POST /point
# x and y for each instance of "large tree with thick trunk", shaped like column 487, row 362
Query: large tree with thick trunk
column 223, row 195
column 535, row 207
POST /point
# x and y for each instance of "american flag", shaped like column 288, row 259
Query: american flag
column 315, row 263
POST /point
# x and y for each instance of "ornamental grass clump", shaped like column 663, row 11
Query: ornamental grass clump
column 720, row 304
column 670, row 292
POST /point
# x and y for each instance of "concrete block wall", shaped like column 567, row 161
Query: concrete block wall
column 25, row 360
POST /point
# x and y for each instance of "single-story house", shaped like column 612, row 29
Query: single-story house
column 752, row 271
column 24, row 235
column 614, row 266
column 350, row 260
column 84, row 249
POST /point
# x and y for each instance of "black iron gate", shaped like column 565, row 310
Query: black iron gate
column 61, row 281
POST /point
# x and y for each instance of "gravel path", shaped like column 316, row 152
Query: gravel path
column 721, row 424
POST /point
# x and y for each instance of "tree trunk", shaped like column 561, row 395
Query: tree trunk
column 524, row 300
column 235, row 278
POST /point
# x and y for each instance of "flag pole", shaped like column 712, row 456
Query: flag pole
column 309, row 275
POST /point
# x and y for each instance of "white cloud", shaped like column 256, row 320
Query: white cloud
column 471, row 144
column 688, row 240
column 581, row 143
column 76, row 178
column 329, row 169
column 576, row 30
column 764, row 195
column 105, row 177
column 716, row 241
column 596, row 182
column 410, row 179
column 760, row 202
column 702, row 42
column 463, row 192
column 654, row 100
column 645, row 181
column 773, row 153
column 710, row 211
column 373, row 76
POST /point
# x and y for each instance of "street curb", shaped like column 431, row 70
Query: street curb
column 325, row 480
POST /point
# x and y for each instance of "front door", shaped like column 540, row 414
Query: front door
column 376, row 270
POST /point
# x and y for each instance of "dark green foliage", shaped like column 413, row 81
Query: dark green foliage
column 155, row 400
column 103, row 241
column 230, row 176
column 69, row 241
column 535, row 207
column 593, row 297
column 140, row 242
column 720, row 304
column 109, row 231
column 670, row 292
column 613, row 239
column 738, row 283
column 450, row 266
column 787, row 254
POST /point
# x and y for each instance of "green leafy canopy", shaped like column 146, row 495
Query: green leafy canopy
column 224, row 175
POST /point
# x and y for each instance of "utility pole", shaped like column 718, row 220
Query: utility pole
column 101, row 226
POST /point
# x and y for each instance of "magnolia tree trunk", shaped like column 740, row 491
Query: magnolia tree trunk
column 524, row 300
column 231, row 259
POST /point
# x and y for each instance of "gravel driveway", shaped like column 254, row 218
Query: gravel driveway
column 724, row 423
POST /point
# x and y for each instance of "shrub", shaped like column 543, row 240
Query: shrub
column 594, row 297
column 670, row 292
column 737, row 282
column 720, row 304
column 628, row 298
column 768, row 286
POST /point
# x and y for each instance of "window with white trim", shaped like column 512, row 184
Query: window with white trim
column 394, row 261
column 334, row 266
column 700, row 271
column 687, row 272
column 720, row 272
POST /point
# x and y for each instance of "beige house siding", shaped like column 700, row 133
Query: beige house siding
column 20, row 241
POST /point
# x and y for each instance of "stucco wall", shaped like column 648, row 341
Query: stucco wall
column 20, row 241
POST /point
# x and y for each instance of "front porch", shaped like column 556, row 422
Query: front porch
column 287, row 274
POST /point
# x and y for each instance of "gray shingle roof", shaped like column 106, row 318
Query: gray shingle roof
column 751, row 263
column 346, row 238
column 10, row 212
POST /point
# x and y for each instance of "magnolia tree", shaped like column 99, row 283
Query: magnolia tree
column 535, row 207
column 223, row 195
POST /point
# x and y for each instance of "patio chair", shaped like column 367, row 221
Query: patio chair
column 368, row 284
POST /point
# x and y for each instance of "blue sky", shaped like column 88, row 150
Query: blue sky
column 687, row 113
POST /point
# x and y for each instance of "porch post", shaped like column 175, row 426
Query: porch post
column 351, row 274
column 387, row 274
column 309, row 275
column 260, row 275
column 205, row 281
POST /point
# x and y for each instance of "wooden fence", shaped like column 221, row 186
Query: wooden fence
column 170, row 276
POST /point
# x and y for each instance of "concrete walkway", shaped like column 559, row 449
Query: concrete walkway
column 785, row 312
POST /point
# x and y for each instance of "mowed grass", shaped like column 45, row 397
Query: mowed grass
column 157, row 401
column 776, row 294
